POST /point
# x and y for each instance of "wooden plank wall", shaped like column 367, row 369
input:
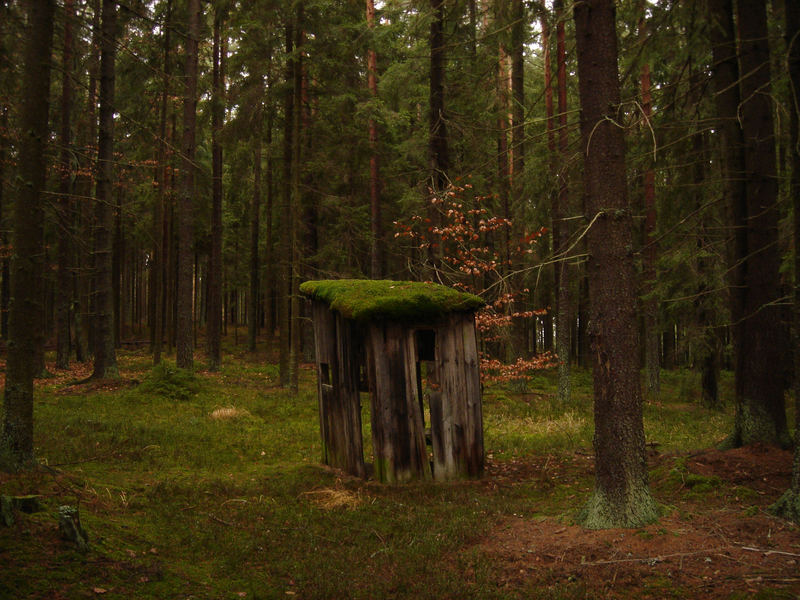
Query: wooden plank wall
column 456, row 412
column 337, row 341
column 398, row 436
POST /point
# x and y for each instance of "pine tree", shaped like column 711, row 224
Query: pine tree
column 621, row 497
column 26, row 311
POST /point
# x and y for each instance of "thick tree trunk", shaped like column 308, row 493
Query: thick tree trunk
column 4, row 147
column 760, row 342
column 214, row 324
column 105, row 356
column 621, row 497
column 65, row 203
column 184, row 340
column 761, row 413
column 788, row 506
column 26, row 316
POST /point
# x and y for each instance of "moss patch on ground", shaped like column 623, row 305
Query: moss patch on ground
column 364, row 300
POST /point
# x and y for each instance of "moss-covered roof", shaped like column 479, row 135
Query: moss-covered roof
column 366, row 299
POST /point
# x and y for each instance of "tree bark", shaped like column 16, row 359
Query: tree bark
column 560, row 211
column 621, row 497
column 652, row 333
column 65, row 203
column 214, row 324
column 184, row 340
column 255, row 213
column 4, row 147
column 26, row 311
column 376, row 226
column 158, row 269
column 788, row 506
column 760, row 341
column 105, row 356
column 284, row 285
column 297, row 205
column 439, row 152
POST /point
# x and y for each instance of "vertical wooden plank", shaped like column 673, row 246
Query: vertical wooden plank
column 474, row 408
column 349, row 441
column 458, row 441
column 324, row 344
column 398, row 438
column 337, row 389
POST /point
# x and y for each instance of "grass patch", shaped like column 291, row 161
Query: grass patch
column 208, row 486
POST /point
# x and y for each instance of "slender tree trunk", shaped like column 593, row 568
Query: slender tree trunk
column 284, row 289
column 269, row 295
column 157, row 269
column 621, row 497
column 255, row 264
column 184, row 342
column 376, row 248
column 26, row 316
column 652, row 333
column 65, row 203
column 83, row 218
column 105, row 357
column 4, row 146
column 563, row 304
column 117, row 253
column 214, row 326
column 519, row 324
column 439, row 152
column 297, row 204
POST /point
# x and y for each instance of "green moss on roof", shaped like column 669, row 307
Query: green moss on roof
column 365, row 299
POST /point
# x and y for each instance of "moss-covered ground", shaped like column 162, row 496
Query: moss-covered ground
column 209, row 486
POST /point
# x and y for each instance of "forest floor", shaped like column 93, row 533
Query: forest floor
column 209, row 486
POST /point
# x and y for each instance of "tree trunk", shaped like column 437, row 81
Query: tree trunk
column 255, row 212
column 269, row 295
column 652, row 356
column 157, row 268
column 26, row 316
column 65, row 203
column 105, row 356
column 284, row 286
column 184, row 340
column 297, row 204
column 760, row 340
column 560, row 211
column 377, row 242
column 5, row 143
column 214, row 324
column 621, row 497
column 788, row 506
column 439, row 153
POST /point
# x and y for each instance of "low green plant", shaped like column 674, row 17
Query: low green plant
column 170, row 382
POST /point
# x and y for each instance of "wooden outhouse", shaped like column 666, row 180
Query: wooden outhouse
column 412, row 346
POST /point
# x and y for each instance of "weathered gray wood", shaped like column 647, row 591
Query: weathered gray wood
column 337, row 386
column 393, row 352
column 456, row 417
column 398, row 436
